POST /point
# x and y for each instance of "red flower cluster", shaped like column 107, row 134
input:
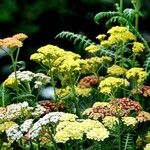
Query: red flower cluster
column 118, row 107
column 52, row 106
column 88, row 81
column 123, row 106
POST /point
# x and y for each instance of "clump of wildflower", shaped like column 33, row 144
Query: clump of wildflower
column 50, row 106
column 144, row 90
column 20, row 36
column 137, row 47
column 25, row 77
column 11, row 82
column 75, row 130
column 92, row 48
column 51, row 117
column 68, row 117
column 101, row 104
column 120, row 34
column 6, row 125
column 13, row 42
column 129, row 121
column 116, row 70
column 88, row 81
column 72, row 131
column 99, row 112
column 91, row 65
column 118, row 107
column 101, row 37
column 147, row 147
column 14, row 111
column 13, row 134
column 83, row 92
column 98, row 134
column 124, row 106
column 143, row 116
column 110, row 84
column 137, row 73
column 110, row 121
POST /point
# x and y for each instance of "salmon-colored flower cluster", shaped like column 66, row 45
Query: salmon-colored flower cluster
column 88, row 81
column 13, row 42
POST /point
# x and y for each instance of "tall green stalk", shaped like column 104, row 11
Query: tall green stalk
column 121, row 6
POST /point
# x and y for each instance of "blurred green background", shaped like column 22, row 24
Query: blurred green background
column 42, row 20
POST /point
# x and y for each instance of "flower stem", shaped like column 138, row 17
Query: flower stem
column 121, row 6
column 3, row 95
column 15, row 72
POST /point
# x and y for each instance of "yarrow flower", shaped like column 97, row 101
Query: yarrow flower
column 147, row 147
column 137, row 47
column 101, row 37
column 137, row 73
column 92, row 48
column 116, row 70
column 129, row 121
column 88, row 81
column 110, row 121
column 13, row 42
column 143, row 116
column 111, row 83
column 75, row 130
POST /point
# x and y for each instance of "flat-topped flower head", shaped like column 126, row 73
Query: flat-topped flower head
column 137, row 73
column 116, row 70
column 20, row 36
column 137, row 47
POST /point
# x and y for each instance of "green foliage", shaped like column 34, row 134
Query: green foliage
column 128, row 141
column 81, row 41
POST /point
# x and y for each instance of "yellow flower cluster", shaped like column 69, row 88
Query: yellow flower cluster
column 98, row 134
column 137, row 73
column 10, row 82
column 92, row 64
column 74, row 130
column 92, row 48
column 120, row 34
column 110, row 121
column 147, row 147
column 6, row 125
column 84, row 92
column 68, row 117
column 112, row 83
column 129, row 121
column 116, row 70
column 137, row 47
column 101, row 37
column 102, row 104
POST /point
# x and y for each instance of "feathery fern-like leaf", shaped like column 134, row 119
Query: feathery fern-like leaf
column 108, row 14
column 128, row 142
column 81, row 41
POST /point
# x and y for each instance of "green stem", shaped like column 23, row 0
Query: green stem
column 121, row 6
column 76, row 99
column 15, row 72
column 137, row 21
column 119, row 135
column 3, row 95
column 53, row 140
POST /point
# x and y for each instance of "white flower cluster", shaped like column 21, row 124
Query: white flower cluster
column 39, row 79
column 51, row 117
column 14, row 110
column 23, row 76
column 15, row 132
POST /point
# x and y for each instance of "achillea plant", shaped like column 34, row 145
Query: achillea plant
column 97, row 100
